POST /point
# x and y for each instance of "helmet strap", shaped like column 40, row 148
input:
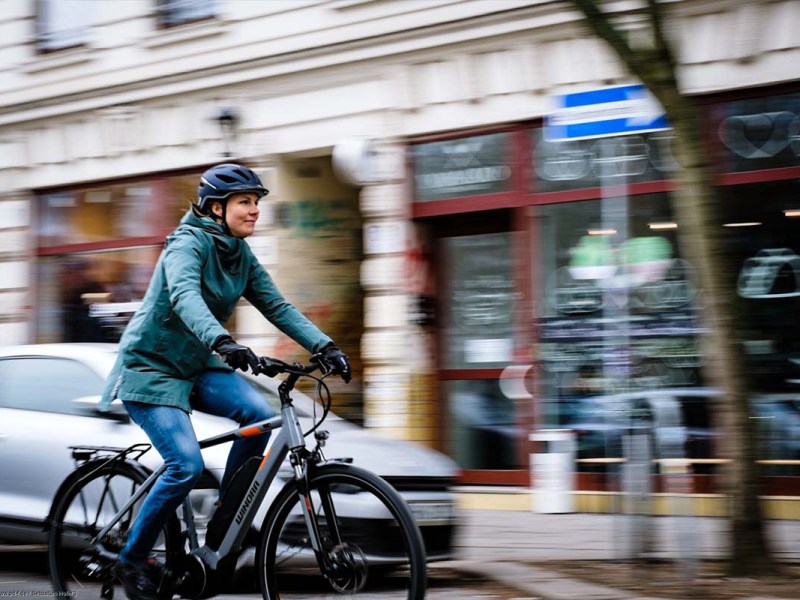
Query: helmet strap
column 223, row 218
column 225, row 227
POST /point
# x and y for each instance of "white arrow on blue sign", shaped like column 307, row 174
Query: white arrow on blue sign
column 604, row 112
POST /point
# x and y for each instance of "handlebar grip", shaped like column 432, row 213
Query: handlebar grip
column 272, row 366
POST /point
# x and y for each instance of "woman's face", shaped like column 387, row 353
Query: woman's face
column 242, row 213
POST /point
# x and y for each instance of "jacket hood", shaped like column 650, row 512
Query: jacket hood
column 229, row 248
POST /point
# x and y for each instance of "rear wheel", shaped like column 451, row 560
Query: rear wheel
column 371, row 545
column 79, row 569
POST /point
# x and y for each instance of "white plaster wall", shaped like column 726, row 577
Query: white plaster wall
column 304, row 74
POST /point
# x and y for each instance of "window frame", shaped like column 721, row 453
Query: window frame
column 47, row 36
column 168, row 12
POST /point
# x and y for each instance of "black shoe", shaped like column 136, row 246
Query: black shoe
column 136, row 579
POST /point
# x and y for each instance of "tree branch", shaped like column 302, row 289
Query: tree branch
column 663, row 47
column 601, row 25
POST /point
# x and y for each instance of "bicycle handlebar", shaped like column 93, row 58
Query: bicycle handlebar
column 272, row 366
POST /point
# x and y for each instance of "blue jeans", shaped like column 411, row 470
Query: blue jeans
column 170, row 430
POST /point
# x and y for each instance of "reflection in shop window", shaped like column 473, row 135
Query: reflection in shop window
column 462, row 167
column 91, row 297
column 481, row 301
column 482, row 426
column 616, row 313
column 139, row 209
column 90, row 293
column 567, row 165
column 758, row 133
column 765, row 263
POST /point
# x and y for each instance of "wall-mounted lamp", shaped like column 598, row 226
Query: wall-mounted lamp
column 228, row 120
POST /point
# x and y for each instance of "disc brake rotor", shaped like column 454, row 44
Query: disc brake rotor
column 349, row 568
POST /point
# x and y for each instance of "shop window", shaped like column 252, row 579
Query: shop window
column 179, row 12
column 757, row 133
column 96, row 215
column 479, row 334
column 97, row 248
column 482, row 425
column 568, row 165
column 617, row 311
column 481, row 300
column 763, row 254
column 462, row 167
column 61, row 25
column 91, row 297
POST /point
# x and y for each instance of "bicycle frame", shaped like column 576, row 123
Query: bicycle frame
column 289, row 438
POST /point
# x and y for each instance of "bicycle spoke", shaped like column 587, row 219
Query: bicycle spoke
column 77, row 567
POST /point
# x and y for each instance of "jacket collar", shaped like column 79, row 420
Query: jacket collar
column 228, row 247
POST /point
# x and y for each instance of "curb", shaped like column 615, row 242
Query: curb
column 543, row 584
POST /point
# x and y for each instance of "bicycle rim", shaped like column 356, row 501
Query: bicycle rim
column 80, row 570
column 366, row 531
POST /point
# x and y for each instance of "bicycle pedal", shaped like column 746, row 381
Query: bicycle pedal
column 107, row 590
column 95, row 567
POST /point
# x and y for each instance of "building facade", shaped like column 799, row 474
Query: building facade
column 459, row 252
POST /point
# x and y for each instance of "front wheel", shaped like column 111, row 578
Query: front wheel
column 85, row 505
column 370, row 544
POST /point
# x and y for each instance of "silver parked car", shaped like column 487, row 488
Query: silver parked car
column 48, row 402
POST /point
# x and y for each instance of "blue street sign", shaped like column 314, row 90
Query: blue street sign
column 604, row 112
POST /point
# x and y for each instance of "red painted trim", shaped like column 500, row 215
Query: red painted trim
column 762, row 176
column 435, row 208
column 631, row 189
column 134, row 242
column 459, row 374
column 486, row 477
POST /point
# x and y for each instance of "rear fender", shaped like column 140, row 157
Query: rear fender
column 85, row 469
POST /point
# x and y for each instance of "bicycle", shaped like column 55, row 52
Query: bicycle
column 332, row 529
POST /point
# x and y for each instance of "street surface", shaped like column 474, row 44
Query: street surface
column 23, row 574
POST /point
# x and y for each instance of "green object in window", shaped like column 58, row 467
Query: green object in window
column 645, row 250
column 592, row 251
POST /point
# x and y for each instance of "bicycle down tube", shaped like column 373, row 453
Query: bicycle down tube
column 267, row 471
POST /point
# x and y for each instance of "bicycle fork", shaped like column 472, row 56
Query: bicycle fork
column 343, row 565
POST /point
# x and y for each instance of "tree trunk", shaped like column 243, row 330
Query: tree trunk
column 697, row 209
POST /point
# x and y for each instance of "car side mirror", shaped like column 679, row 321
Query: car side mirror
column 90, row 405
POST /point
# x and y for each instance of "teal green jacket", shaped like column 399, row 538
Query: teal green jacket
column 198, row 280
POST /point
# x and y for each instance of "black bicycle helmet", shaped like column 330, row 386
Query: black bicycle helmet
column 220, row 181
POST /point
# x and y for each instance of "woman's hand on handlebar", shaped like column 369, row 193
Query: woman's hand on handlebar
column 335, row 362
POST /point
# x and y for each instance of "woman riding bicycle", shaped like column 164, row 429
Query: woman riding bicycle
column 166, row 368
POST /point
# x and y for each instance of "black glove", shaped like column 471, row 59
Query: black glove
column 236, row 355
column 336, row 362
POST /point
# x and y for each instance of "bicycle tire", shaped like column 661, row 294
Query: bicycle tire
column 85, row 503
column 381, row 552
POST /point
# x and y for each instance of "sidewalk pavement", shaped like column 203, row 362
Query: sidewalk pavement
column 500, row 545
